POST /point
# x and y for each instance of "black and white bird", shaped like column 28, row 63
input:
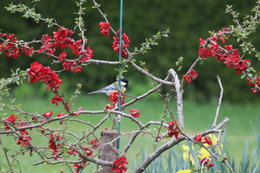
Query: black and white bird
column 113, row 87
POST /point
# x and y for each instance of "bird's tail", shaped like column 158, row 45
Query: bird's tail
column 95, row 92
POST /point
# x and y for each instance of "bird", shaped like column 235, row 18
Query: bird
column 113, row 87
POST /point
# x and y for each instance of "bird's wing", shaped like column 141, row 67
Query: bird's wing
column 112, row 86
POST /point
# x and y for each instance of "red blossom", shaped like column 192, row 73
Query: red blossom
column 173, row 129
column 28, row 51
column 22, row 124
column 104, row 28
column 108, row 106
column 24, row 140
column 38, row 72
column 53, row 143
column 62, row 56
column 207, row 140
column 56, row 99
column 134, row 112
column 198, row 138
column 125, row 45
column 12, row 53
column 113, row 97
column 119, row 165
column 68, row 65
column 88, row 151
column 9, row 120
column 72, row 151
column 190, row 76
column 94, row 143
column 60, row 115
column 47, row 114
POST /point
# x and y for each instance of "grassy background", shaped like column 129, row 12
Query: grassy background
column 198, row 117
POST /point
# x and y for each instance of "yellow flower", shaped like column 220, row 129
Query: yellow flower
column 184, row 171
column 213, row 138
column 186, row 154
column 203, row 152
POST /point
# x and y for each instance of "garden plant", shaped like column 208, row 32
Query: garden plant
column 67, row 50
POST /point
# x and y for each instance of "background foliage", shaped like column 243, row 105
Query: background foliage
column 187, row 20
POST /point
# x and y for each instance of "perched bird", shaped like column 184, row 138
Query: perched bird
column 113, row 87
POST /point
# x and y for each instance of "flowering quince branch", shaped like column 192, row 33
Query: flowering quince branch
column 86, row 147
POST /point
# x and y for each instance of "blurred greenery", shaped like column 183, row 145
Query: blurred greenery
column 188, row 21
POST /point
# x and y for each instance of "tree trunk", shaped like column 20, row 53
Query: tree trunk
column 109, row 150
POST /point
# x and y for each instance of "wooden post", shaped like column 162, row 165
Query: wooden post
column 109, row 150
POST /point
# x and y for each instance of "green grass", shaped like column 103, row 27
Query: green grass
column 198, row 117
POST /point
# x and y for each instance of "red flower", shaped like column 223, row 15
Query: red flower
column 60, row 115
column 94, row 143
column 10, row 120
column 24, row 140
column 134, row 112
column 12, row 53
column 198, row 138
column 108, row 106
column 113, row 97
column 190, row 76
column 125, row 44
column 88, row 151
column 173, row 129
column 72, row 151
column 119, row 165
column 207, row 140
column 77, row 69
column 62, row 56
column 47, row 114
column 56, row 99
column 104, row 28
column 38, row 72
column 68, row 65
column 28, row 51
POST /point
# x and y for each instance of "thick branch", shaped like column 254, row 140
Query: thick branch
column 178, row 91
column 170, row 144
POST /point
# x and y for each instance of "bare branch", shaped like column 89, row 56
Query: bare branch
column 178, row 97
column 150, row 75
column 219, row 102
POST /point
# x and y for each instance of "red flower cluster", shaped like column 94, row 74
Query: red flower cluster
column 53, row 139
column 205, row 139
column 206, row 162
column 134, row 112
column 125, row 45
column 56, row 99
column 229, row 56
column 89, row 150
column 24, row 140
column 61, row 39
column 9, row 48
column 190, row 76
column 173, row 129
column 9, row 120
column 22, row 123
column 113, row 97
column 119, row 165
column 38, row 72
column 72, row 151
column 104, row 28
